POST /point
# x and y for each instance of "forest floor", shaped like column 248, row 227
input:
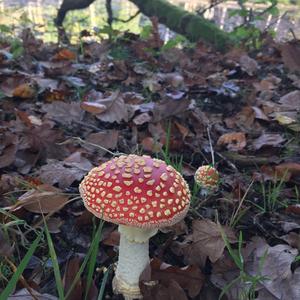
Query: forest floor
column 66, row 109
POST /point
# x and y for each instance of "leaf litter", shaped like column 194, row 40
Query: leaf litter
column 64, row 110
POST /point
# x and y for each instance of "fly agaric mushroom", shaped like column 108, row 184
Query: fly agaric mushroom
column 141, row 194
column 207, row 177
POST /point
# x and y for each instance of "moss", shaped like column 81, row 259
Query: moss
column 193, row 27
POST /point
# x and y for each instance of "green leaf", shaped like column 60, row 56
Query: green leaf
column 5, row 29
column 172, row 43
column 146, row 32
column 85, row 261
column 92, row 261
column 57, row 275
column 103, row 283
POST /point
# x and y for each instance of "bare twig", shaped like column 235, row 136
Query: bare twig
column 129, row 19
column 211, row 147
column 213, row 4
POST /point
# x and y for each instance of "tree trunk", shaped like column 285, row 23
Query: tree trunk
column 193, row 27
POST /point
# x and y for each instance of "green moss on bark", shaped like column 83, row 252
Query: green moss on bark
column 193, row 27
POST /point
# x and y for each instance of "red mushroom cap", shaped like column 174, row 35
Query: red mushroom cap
column 207, row 176
column 137, row 191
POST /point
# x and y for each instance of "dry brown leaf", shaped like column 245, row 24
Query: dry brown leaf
column 294, row 209
column 149, row 144
column 10, row 84
column 291, row 168
column 44, row 199
column 259, row 114
column 168, row 108
column 189, row 278
column 54, row 224
column 291, row 100
column 113, row 239
column 23, row 294
column 248, row 64
column 142, row 119
column 280, row 281
column 64, row 113
column 64, row 54
column 165, row 290
column 184, row 131
column 93, row 107
column 6, row 249
column 293, row 238
column 234, row 141
column 115, row 111
column 268, row 172
column 207, row 238
column 58, row 172
column 106, row 139
column 24, row 91
column 290, row 52
column 268, row 139
column 72, row 268
column 8, row 149
column 77, row 160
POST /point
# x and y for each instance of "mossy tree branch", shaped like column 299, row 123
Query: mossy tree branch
column 193, row 27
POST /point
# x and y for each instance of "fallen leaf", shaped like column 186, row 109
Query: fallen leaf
column 291, row 100
column 113, row 239
column 280, row 281
column 9, row 85
column 116, row 110
column 207, row 238
column 8, row 149
column 93, row 107
column 293, row 238
column 6, row 249
column 291, row 168
column 294, row 209
column 151, row 145
column 54, row 224
column 268, row 172
column 189, row 278
column 77, row 160
column 63, row 113
column 23, row 294
column 106, row 139
column 166, row 290
column 268, row 139
column 72, row 268
column 64, row 54
column 234, row 141
column 44, row 199
column 142, row 119
column 24, row 91
column 290, row 52
column 248, row 64
column 259, row 114
column 57, row 172
column 168, row 108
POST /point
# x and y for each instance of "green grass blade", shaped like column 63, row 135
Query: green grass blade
column 57, row 275
column 103, row 284
column 92, row 261
column 84, row 263
column 13, row 281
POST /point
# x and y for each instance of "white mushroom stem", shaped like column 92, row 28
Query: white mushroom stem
column 133, row 259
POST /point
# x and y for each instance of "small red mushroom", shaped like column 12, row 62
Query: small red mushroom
column 207, row 177
column 141, row 194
